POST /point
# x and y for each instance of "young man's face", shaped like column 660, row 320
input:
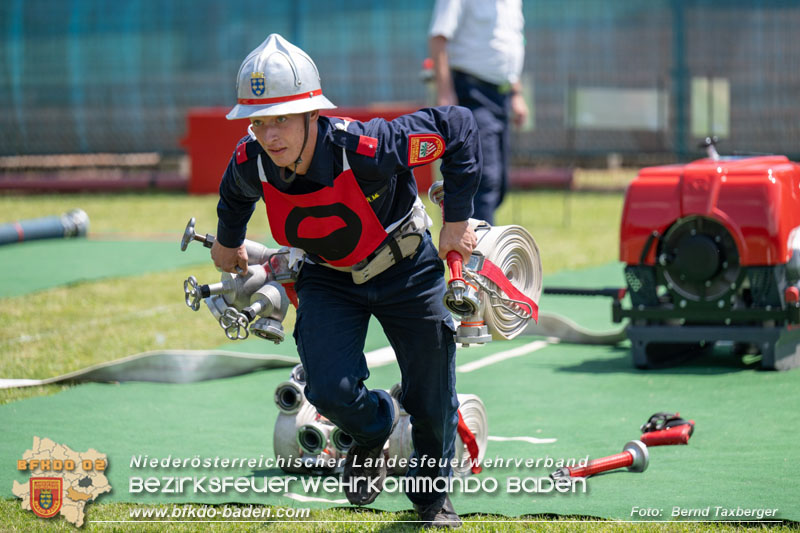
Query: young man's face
column 281, row 136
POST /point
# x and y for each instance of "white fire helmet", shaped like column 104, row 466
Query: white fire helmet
column 277, row 78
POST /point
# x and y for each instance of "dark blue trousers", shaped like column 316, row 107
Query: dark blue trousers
column 330, row 333
column 491, row 107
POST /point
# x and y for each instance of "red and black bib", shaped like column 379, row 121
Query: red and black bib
column 336, row 223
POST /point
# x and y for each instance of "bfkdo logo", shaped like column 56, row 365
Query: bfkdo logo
column 62, row 481
column 46, row 496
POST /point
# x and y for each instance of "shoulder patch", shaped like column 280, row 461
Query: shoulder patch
column 424, row 148
column 353, row 142
column 246, row 150
column 367, row 146
column 241, row 153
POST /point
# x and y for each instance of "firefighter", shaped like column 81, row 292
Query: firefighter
column 343, row 191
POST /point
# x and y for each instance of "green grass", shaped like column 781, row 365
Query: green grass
column 89, row 323
column 94, row 322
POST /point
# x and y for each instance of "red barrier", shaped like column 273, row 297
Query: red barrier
column 211, row 139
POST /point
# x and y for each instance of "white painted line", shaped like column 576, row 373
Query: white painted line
column 502, row 356
column 380, row 357
column 302, row 498
column 532, row 440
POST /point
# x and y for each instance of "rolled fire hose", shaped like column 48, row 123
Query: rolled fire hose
column 515, row 253
column 301, row 436
column 473, row 414
column 284, row 437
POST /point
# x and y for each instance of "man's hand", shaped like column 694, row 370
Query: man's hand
column 519, row 110
column 229, row 259
column 457, row 236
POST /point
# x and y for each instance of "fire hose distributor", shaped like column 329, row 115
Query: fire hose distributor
column 257, row 254
column 634, row 457
column 236, row 290
column 302, row 431
column 255, row 300
column 269, row 304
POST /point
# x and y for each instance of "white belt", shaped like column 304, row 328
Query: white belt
column 403, row 242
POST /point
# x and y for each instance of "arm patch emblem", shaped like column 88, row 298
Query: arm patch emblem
column 424, row 148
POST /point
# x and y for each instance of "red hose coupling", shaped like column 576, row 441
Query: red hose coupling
column 634, row 456
column 455, row 263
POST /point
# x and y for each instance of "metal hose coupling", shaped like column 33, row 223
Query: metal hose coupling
column 313, row 437
column 299, row 374
column 461, row 298
column 268, row 306
column 340, row 440
column 289, row 397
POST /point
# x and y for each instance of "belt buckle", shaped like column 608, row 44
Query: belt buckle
column 364, row 262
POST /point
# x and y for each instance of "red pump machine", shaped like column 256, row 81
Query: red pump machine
column 712, row 253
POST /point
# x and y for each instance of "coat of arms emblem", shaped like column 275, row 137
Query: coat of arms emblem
column 46, row 496
column 257, row 83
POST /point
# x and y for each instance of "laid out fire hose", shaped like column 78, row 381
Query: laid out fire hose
column 496, row 293
column 74, row 223
column 306, row 442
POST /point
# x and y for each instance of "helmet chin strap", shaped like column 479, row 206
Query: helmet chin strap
column 290, row 179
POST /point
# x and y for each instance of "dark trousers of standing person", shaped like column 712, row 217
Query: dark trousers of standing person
column 331, row 330
column 490, row 104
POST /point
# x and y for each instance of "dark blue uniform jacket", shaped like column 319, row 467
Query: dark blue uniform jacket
column 383, row 173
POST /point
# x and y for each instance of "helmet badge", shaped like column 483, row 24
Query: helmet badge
column 257, row 83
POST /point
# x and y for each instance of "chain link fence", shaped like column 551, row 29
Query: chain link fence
column 636, row 78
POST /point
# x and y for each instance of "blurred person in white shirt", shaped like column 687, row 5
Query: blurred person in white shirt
column 478, row 48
